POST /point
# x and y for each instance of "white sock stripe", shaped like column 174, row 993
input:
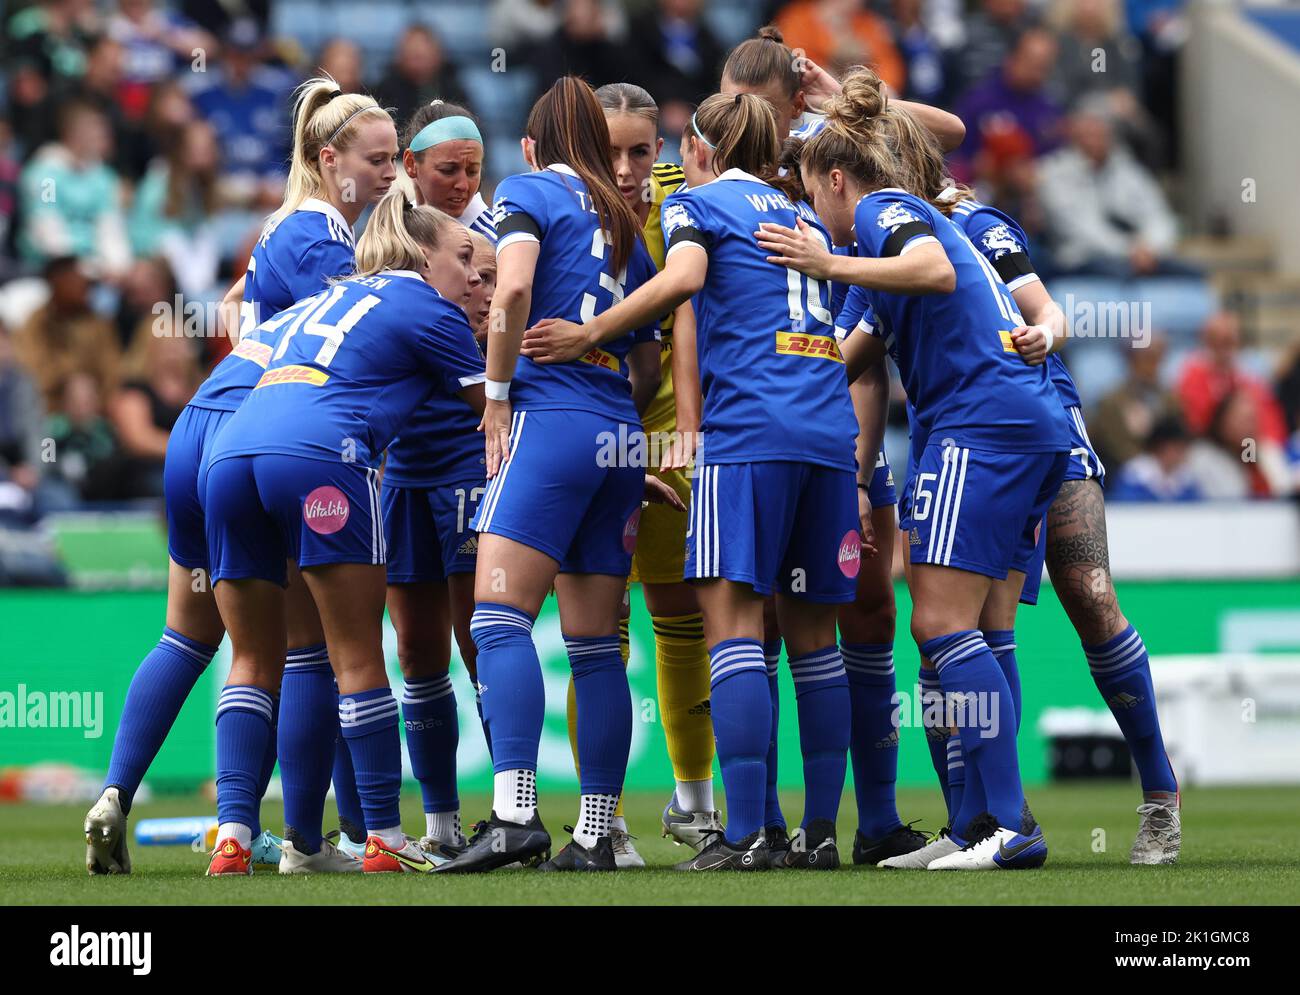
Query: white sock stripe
column 301, row 656
column 827, row 676
column 882, row 670
column 954, row 654
column 1123, row 649
column 189, row 651
column 804, row 661
column 246, row 699
column 823, row 667
column 849, row 654
column 1122, row 664
column 772, row 668
column 961, row 644
column 714, row 675
column 355, row 721
column 733, row 652
column 363, row 711
column 1001, row 647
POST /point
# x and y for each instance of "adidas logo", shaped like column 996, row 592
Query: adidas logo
column 469, row 547
column 914, row 538
column 703, row 708
column 890, row 742
column 1125, row 700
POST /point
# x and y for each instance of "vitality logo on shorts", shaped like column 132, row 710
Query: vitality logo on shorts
column 817, row 346
column 630, row 530
column 850, row 555
column 326, row 510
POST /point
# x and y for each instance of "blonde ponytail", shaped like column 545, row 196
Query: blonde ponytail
column 322, row 115
column 397, row 233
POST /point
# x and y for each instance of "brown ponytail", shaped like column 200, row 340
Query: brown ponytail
column 568, row 126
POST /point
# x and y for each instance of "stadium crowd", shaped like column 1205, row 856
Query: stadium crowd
column 143, row 142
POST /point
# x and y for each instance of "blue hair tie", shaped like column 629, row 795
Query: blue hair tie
column 447, row 129
column 696, row 126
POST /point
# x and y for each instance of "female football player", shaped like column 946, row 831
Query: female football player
column 773, row 505
column 562, row 503
column 433, row 479
column 996, row 437
column 294, row 475
column 343, row 160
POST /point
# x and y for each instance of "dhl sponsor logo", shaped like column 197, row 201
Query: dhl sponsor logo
column 293, row 374
column 599, row 357
column 798, row 344
column 257, row 352
column 1006, row 342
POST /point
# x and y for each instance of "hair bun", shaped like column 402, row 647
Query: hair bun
column 772, row 33
column 862, row 98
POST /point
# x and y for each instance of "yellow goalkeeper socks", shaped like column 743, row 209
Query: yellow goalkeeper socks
column 682, row 670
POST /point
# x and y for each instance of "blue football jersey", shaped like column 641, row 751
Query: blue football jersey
column 291, row 261
column 441, row 444
column 574, row 280
column 1004, row 244
column 770, row 368
column 352, row 364
column 954, row 350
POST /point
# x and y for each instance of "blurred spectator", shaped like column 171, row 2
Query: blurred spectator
column 45, row 55
column 586, row 44
column 9, row 173
column 71, row 200
column 1106, row 213
column 21, row 421
column 1099, row 56
column 149, row 282
column 1288, row 386
column 1160, row 472
column 521, row 23
column 991, row 32
column 216, row 16
column 157, row 43
column 1014, row 99
column 160, row 376
column 86, row 464
column 169, row 111
column 839, row 34
column 173, row 208
column 342, row 60
column 1211, row 374
column 64, row 336
column 921, row 52
column 1126, row 417
column 242, row 102
column 100, row 87
column 1234, row 461
column 679, row 58
column 418, row 74
column 1097, row 52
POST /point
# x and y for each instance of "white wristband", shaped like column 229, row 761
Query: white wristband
column 1051, row 338
column 497, row 390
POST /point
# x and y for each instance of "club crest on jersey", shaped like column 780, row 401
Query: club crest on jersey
column 850, row 554
column 326, row 510
column 999, row 240
column 894, row 215
column 676, row 216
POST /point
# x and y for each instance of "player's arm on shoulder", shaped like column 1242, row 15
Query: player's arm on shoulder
column 921, row 267
column 948, row 129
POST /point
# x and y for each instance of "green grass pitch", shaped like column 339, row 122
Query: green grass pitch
column 1239, row 847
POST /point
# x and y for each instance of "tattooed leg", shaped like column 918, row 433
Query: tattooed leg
column 1078, row 561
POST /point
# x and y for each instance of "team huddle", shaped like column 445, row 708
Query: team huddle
column 419, row 419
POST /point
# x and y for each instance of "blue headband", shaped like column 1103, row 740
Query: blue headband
column 701, row 134
column 447, row 129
